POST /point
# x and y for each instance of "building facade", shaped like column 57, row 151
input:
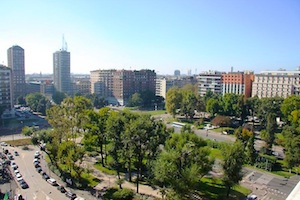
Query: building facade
column 209, row 81
column 116, row 86
column 276, row 83
column 6, row 101
column 238, row 83
column 61, row 71
column 81, row 86
column 16, row 61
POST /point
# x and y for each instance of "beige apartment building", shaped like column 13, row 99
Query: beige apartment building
column 276, row 83
column 116, row 86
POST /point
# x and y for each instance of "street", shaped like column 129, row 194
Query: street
column 38, row 187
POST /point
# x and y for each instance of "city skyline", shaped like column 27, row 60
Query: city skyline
column 159, row 35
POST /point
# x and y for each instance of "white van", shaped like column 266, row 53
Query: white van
column 52, row 181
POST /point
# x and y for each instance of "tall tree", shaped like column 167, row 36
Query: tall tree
column 267, row 106
column 230, row 104
column 292, row 146
column 188, row 104
column 213, row 106
column 183, row 163
column 173, row 100
column 232, row 165
column 58, row 97
column 290, row 104
column 135, row 100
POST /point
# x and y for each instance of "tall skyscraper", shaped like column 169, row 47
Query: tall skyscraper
column 61, row 71
column 16, row 61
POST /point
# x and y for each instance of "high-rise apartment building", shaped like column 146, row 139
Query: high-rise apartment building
column 118, row 85
column 61, row 71
column 209, row 81
column 276, row 83
column 16, row 61
column 6, row 102
column 102, row 82
column 237, row 83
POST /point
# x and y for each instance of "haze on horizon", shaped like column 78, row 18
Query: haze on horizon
column 165, row 35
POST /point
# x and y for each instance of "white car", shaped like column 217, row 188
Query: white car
column 16, row 172
column 36, row 160
column 252, row 197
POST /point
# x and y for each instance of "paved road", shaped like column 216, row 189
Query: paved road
column 38, row 187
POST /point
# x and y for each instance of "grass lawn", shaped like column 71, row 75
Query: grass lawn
column 213, row 188
column 216, row 153
column 221, row 129
column 20, row 142
column 155, row 112
column 282, row 173
column 104, row 169
column 92, row 181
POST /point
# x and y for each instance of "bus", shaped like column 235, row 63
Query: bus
column 178, row 124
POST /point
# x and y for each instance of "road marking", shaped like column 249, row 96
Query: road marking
column 34, row 196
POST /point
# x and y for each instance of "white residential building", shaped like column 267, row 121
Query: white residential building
column 276, row 83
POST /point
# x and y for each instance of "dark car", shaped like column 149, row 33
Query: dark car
column 45, row 176
column 71, row 195
column 39, row 169
column 61, row 188
column 37, row 165
column 16, row 153
column 23, row 184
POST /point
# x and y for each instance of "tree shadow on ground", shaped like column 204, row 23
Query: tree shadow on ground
column 216, row 190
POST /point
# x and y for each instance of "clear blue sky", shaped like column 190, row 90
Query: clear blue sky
column 163, row 35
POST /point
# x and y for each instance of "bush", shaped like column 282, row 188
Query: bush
column 25, row 148
column 221, row 121
column 123, row 194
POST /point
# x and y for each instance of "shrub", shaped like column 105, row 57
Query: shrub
column 25, row 148
column 221, row 121
column 123, row 194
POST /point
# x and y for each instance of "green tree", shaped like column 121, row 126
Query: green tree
column 95, row 126
column 213, row 106
column 27, row 131
column 135, row 100
column 183, row 163
column 21, row 100
column 34, row 101
column 267, row 106
column 294, row 118
column 230, row 104
column 292, row 146
column 250, row 152
column 188, row 104
column 290, row 104
column 269, row 134
column 58, row 97
column 115, row 127
column 173, row 100
column 232, row 165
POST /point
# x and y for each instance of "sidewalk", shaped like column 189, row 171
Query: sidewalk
column 108, row 181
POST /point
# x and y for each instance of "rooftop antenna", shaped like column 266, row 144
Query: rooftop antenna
column 64, row 44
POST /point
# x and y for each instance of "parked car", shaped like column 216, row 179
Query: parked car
column 52, row 181
column 71, row 195
column 36, row 160
column 45, row 176
column 61, row 189
column 16, row 153
column 23, row 184
column 39, row 169
column 10, row 157
column 252, row 197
